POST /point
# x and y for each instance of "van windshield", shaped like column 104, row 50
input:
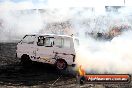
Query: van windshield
column 29, row 39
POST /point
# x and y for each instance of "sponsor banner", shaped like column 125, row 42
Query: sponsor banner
column 108, row 78
column 102, row 78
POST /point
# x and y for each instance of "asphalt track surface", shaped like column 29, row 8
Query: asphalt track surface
column 37, row 75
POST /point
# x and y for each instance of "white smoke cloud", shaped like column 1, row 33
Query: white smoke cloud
column 15, row 24
column 107, row 57
column 8, row 5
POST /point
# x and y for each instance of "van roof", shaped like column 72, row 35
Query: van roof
column 52, row 35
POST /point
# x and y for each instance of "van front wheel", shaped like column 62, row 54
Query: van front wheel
column 61, row 64
column 25, row 60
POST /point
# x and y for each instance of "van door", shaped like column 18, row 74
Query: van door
column 65, row 48
column 26, row 46
column 44, row 51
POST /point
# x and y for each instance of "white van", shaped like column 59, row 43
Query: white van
column 48, row 48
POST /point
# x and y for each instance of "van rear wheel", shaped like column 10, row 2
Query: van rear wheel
column 61, row 64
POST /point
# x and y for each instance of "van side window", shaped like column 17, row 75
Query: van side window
column 76, row 43
column 62, row 43
column 66, row 43
column 49, row 42
column 28, row 39
column 40, row 41
column 59, row 42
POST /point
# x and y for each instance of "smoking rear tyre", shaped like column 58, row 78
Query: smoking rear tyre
column 25, row 61
column 82, row 80
column 61, row 64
